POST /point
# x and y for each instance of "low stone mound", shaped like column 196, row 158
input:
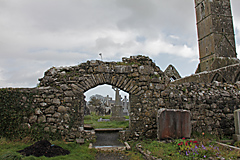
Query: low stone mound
column 43, row 148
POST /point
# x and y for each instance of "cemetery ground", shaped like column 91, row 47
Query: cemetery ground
column 93, row 121
column 201, row 146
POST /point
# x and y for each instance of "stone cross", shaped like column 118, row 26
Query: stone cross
column 117, row 97
column 117, row 111
column 125, row 100
column 108, row 98
column 125, row 106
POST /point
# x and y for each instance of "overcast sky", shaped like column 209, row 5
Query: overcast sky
column 38, row 34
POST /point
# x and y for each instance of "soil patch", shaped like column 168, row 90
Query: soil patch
column 43, row 148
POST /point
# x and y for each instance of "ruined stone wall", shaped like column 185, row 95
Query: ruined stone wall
column 52, row 111
column 58, row 104
column 229, row 74
column 211, row 105
column 137, row 75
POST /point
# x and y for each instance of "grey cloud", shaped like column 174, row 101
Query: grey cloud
column 38, row 34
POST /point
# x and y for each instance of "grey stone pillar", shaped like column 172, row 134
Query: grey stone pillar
column 125, row 106
column 236, row 136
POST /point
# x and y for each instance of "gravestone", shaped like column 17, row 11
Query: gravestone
column 173, row 123
column 125, row 106
column 236, row 136
column 117, row 110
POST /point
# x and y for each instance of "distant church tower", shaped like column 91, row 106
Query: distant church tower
column 215, row 34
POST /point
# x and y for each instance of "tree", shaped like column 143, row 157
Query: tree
column 97, row 102
column 94, row 101
column 97, row 99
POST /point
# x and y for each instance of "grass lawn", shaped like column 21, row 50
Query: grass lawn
column 202, row 147
column 93, row 121
column 8, row 151
column 168, row 151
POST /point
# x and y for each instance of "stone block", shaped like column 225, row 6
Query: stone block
column 62, row 109
column 237, row 121
column 80, row 141
column 50, row 109
column 173, row 123
column 56, row 101
column 236, row 137
column 33, row 119
column 68, row 93
column 42, row 119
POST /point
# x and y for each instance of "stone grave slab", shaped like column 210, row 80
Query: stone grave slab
column 173, row 123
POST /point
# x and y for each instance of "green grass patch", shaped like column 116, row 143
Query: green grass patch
column 8, row 151
column 93, row 121
column 187, row 149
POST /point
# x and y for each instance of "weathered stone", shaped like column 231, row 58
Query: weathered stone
column 147, row 70
column 38, row 111
column 43, row 104
column 237, row 121
column 25, row 119
column 33, row 119
column 62, row 109
column 46, row 129
column 173, row 123
column 123, row 69
column 61, row 128
column 51, row 120
column 64, row 87
column 66, row 117
column 67, row 99
column 69, row 93
column 50, row 109
column 48, row 100
column 56, row 115
column 80, row 141
column 42, row 119
column 56, row 101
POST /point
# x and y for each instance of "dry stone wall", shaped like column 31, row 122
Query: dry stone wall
column 212, row 105
column 56, row 112
column 58, row 103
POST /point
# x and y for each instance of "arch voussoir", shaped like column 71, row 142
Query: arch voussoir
column 133, row 89
column 118, row 82
column 114, row 80
column 128, row 84
column 107, row 78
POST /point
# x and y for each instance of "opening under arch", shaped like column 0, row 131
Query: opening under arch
column 100, row 107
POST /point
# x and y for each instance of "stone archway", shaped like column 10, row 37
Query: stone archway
column 137, row 75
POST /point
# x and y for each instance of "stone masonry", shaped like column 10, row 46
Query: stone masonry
column 58, row 102
column 216, row 41
column 137, row 75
